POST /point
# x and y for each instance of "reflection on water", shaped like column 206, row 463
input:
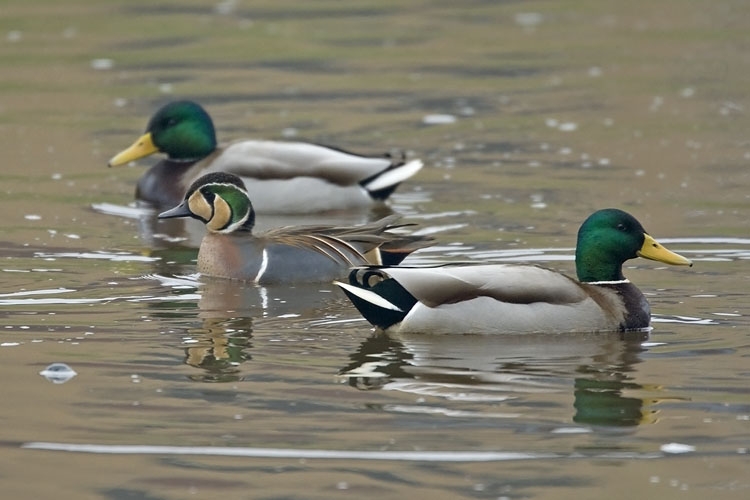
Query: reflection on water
column 227, row 310
column 218, row 348
column 601, row 387
column 509, row 368
column 602, row 402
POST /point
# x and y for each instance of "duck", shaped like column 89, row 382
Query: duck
column 283, row 255
column 282, row 177
column 525, row 298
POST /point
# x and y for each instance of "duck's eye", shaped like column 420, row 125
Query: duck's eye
column 621, row 227
column 171, row 122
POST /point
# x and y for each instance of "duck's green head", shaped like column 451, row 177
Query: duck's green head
column 220, row 201
column 608, row 238
column 182, row 130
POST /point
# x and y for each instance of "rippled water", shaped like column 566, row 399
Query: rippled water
column 529, row 116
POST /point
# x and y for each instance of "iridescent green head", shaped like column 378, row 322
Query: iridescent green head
column 608, row 238
column 220, row 201
column 182, row 130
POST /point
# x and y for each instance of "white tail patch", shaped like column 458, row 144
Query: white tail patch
column 368, row 296
column 394, row 176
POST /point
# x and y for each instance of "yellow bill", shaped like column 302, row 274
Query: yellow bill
column 653, row 250
column 144, row 146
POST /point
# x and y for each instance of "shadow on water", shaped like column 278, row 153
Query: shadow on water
column 508, row 368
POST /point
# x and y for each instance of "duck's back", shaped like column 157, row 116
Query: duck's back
column 262, row 159
column 295, row 177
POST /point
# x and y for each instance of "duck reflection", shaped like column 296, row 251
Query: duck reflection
column 600, row 368
column 218, row 348
column 228, row 309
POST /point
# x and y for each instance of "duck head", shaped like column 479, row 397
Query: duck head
column 220, row 201
column 608, row 238
column 182, row 130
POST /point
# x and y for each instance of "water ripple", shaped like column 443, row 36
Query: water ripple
column 115, row 257
column 98, row 300
column 685, row 320
column 409, row 456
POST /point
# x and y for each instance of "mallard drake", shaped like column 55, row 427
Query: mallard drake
column 281, row 255
column 498, row 298
column 281, row 177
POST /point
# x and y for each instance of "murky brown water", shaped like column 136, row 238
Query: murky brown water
column 560, row 108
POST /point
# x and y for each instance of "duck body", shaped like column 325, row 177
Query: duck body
column 494, row 298
column 267, row 259
column 321, row 178
column 502, row 298
column 293, row 254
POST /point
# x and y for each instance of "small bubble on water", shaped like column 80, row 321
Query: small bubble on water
column 687, row 92
column 438, row 119
column 528, row 19
column 58, row 373
column 677, row 448
column 102, row 64
column 567, row 127
column 467, row 111
column 32, row 217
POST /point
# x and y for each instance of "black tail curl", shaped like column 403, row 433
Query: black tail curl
column 376, row 280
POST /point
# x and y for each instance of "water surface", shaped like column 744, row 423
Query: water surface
column 529, row 116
